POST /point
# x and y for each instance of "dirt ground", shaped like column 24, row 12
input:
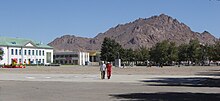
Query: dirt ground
column 140, row 70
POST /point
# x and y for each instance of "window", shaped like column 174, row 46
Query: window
column 39, row 61
column 12, row 51
column 32, row 52
column 29, row 52
column 36, row 52
column 43, row 52
column 20, row 60
column 48, row 57
column 16, row 51
column 19, row 51
column 43, row 60
column 25, row 52
column 13, row 42
column 36, row 61
column 25, row 61
column 40, row 52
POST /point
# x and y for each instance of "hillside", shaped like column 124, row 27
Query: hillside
column 141, row 32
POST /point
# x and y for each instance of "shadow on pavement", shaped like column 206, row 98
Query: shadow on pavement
column 210, row 73
column 185, row 82
column 168, row 96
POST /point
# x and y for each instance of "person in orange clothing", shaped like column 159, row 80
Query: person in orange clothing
column 109, row 69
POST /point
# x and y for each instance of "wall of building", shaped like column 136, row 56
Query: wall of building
column 74, row 58
column 70, row 58
column 30, row 55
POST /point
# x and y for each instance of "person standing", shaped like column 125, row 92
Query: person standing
column 109, row 69
column 102, row 70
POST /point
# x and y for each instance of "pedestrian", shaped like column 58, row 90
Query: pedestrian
column 109, row 69
column 102, row 70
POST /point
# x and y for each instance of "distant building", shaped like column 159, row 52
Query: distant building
column 72, row 58
column 94, row 56
column 25, row 51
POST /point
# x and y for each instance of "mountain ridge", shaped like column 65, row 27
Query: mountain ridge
column 141, row 32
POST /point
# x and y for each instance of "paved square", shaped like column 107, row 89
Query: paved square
column 84, row 84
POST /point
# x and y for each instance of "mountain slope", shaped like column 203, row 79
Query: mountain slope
column 141, row 32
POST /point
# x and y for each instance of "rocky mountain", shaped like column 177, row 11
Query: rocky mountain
column 141, row 32
column 70, row 43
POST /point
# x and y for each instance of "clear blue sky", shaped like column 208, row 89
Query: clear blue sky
column 45, row 20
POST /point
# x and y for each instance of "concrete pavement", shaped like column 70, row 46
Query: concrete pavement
column 90, row 77
column 72, row 87
column 89, row 87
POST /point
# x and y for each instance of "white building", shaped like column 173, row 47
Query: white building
column 24, row 50
column 74, row 58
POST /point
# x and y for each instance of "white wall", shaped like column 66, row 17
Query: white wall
column 8, row 56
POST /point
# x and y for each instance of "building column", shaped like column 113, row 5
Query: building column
column 83, row 62
column 79, row 61
column 22, row 55
column 8, row 55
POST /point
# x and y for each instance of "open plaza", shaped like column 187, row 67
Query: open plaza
column 141, row 83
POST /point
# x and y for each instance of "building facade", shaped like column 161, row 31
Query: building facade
column 72, row 58
column 25, row 51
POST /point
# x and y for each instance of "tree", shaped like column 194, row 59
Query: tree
column 164, row 52
column 193, row 51
column 172, row 53
column 127, row 55
column 110, row 50
column 182, row 52
column 1, row 54
column 204, row 53
column 158, row 53
column 216, row 51
column 142, row 54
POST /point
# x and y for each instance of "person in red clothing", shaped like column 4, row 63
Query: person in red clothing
column 109, row 69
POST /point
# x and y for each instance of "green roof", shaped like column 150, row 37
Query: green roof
column 20, row 42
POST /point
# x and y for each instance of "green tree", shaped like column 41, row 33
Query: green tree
column 182, row 52
column 159, row 53
column 164, row 52
column 204, row 53
column 210, row 49
column 193, row 51
column 1, row 54
column 216, row 51
column 142, row 54
column 130, row 55
column 127, row 55
column 172, row 53
column 110, row 50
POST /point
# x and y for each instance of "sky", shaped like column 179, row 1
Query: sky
column 45, row 20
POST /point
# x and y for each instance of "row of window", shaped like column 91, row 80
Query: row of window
column 75, row 62
column 29, row 61
column 64, row 56
column 27, row 52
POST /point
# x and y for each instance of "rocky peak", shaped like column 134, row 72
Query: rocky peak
column 141, row 32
